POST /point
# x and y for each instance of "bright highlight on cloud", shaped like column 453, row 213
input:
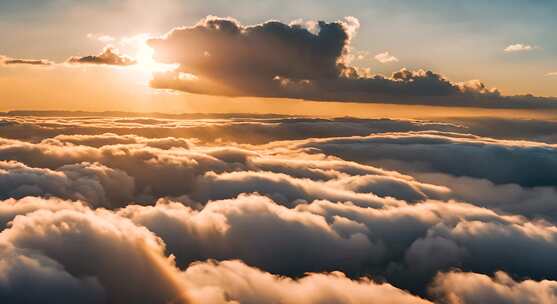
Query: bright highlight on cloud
column 519, row 47
column 101, row 37
column 385, row 57
column 267, row 209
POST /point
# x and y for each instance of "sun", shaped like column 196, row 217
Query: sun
column 146, row 63
column 146, row 66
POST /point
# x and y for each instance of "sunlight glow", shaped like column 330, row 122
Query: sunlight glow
column 146, row 63
column 146, row 66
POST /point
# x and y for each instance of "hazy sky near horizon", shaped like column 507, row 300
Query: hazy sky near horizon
column 509, row 45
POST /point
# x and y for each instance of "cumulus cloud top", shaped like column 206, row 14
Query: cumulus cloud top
column 294, row 60
column 415, row 212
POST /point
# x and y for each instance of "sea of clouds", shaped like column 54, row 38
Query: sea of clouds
column 103, row 208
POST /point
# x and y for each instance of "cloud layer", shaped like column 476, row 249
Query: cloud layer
column 314, row 211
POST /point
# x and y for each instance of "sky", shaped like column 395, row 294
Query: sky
column 506, row 45
column 263, row 152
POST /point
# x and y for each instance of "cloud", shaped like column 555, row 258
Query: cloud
column 385, row 57
column 459, row 287
column 17, row 61
column 316, row 56
column 41, row 264
column 88, row 201
column 278, row 60
column 109, row 56
column 302, row 171
column 255, row 129
column 220, row 227
column 117, row 173
column 531, row 202
column 94, row 183
column 108, row 139
column 44, row 254
column 519, row 47
column 225, row 128
column 538, row 130
column 235, row 281
column 151, row 168
column 397, row 244
column 101, row 37
column 288, row 190
column 551, row 74
column 525, row 163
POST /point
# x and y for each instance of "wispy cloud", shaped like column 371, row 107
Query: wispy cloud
column 17, row 61
column 101, row 37
column 519, row 47
column 385, row 57
column 551, row 74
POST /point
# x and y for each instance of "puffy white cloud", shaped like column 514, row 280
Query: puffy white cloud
column 385, row 57
column 96, row 184
column 95, row 255
column 60, row 256
column 519, row 47
column 396, row 243
column 322, row 219
column 101, row 37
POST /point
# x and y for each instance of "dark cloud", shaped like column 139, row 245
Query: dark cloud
column 109, row 56
column 274, row 59
column 238, row 59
